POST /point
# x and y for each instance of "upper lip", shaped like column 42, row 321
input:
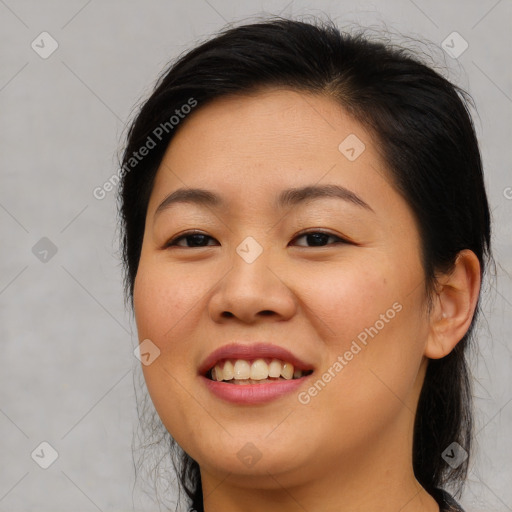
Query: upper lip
column 252, row 351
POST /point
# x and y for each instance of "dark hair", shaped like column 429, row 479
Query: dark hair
column 422, row 128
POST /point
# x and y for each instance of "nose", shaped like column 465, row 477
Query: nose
column 251, row 292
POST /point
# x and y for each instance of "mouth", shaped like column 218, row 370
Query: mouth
column 255, row 371
column 253, row 374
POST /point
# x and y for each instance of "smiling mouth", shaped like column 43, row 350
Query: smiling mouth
column 258, row 371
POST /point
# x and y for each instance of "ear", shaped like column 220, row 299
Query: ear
column 455, row 302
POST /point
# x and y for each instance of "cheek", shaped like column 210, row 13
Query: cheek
column 165, row 300
column 343, row 300
column 166, row 305
column 370, row 318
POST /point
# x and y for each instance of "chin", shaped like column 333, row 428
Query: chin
column 258, row 458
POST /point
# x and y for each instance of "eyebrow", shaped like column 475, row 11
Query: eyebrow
column 289, row 197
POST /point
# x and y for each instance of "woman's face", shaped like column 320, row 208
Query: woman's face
column 346, row 302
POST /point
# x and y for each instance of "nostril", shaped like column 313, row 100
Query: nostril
column 266, row 312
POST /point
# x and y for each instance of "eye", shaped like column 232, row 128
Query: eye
column 193, row 238
column 197, row 239
column 318, row 239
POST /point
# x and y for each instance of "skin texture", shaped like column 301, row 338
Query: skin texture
column 351, row 445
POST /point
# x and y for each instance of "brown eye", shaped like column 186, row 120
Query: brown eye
column 191, row 240
column 318, row 239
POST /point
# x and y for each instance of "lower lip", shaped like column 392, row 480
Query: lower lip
column 253, row 393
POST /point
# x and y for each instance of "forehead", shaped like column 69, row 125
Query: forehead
column 296, row 124
column 271, row 139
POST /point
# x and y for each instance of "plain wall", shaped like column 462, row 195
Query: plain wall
column 67, row 366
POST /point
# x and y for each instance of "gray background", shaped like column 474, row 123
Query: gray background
column 67, row 365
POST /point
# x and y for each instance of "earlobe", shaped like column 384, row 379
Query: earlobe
column 454, row 305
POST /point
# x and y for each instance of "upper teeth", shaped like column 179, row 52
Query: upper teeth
column 259, row 369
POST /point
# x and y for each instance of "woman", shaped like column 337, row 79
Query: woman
column 305, row 230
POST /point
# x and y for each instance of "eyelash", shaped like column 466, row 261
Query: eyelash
column 173, row 241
